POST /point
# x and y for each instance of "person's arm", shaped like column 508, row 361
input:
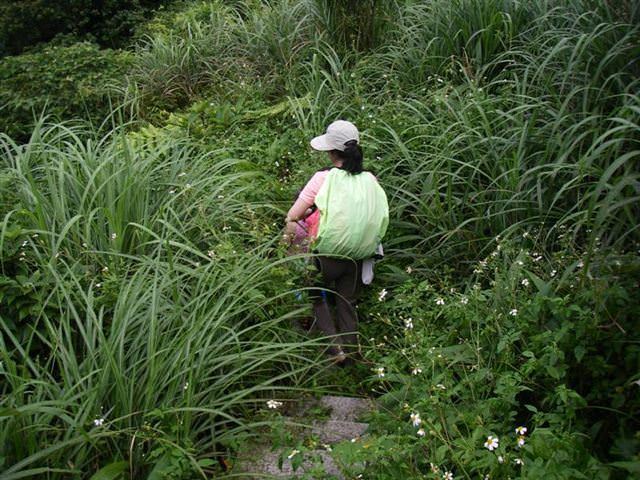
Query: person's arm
column 304, row 202
column 298, row 210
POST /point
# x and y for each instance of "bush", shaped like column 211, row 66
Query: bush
column 26, row 23
column 545, row 343
column 66, row 82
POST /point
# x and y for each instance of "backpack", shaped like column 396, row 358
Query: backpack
column 354, row 215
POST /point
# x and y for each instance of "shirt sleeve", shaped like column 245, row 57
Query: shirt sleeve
column 311, row 189
column 307, row 196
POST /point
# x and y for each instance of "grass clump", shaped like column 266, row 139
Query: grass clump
column 128, row 323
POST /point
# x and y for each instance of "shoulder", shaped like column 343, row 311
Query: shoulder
column 310, row 190
column 318, row 178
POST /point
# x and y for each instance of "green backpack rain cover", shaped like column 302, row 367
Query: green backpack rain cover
column 354, row 215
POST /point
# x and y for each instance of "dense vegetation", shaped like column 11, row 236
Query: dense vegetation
column 147, row 304
column 24, row 24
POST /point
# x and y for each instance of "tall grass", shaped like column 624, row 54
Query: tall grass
column 147, row 321
column 541, row 128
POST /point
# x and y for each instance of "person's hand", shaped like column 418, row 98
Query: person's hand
column 289, row 232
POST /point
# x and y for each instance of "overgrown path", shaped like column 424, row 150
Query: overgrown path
column 319, row 432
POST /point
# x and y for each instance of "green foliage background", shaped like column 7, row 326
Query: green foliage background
column 148, row 307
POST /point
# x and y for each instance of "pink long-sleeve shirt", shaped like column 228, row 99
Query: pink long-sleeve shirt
column 307, row 196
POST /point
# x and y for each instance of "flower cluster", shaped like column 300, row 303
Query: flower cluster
column 273, row 404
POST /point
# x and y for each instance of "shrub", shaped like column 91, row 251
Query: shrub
column 26, row 23
column 65, row 82
column 545, row 343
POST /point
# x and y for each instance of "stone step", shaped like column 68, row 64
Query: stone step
column 265, row 465
column 346, row 409
column 342, row 425
column 334, row 431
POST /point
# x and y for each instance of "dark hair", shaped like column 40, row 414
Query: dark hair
column 351, row 157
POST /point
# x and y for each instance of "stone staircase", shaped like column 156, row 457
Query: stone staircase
column 342, row 425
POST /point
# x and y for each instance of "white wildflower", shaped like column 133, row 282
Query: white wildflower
column 382, row 294
column 420, row 432
column 521, row 430
column 380, row 372
column 408, row 323
column 273, row 404
column 553, row 273
column 513, row 312
column 491, row 443
column 98, row 422
column 518, row 461
column 464, row 300
column 500, row 459
column 519, row 263
column 447, row 476
column 415, row 419
column 525, row 282
column 293, row 454
column 439, row 301
column 409, row 270
column 114, row 236
column 441, row 386
column 521, row 441
column 418, row 370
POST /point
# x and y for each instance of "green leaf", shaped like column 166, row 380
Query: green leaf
column 632, row 467
column 111, row 472
column 159, row 469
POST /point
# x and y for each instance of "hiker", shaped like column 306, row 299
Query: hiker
column 353, row 218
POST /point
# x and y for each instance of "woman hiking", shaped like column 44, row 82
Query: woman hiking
column 353, row 218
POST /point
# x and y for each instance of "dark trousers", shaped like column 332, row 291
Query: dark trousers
column 343, row 277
